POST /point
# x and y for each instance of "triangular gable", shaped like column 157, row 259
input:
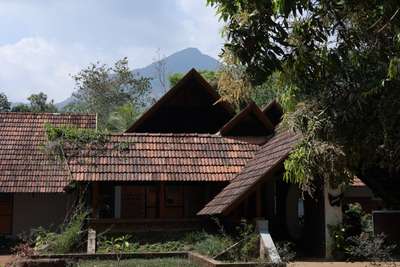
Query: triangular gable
column 189, row 107
column 274, row 112
column 251, row 121
column 265, row 162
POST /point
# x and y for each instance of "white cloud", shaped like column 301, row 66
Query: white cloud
column 43, row 42
column 34, row 64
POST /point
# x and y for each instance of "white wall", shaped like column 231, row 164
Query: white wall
column 31, row 210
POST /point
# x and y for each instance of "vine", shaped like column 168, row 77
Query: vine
column 73, row 139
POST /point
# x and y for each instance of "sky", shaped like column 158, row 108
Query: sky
column 44, row 42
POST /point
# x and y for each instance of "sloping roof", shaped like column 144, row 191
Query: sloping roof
column 265, row 161
column 191, row 83
column 273, row 111
column 162, row 157
column 251, row 121
column 24, row 167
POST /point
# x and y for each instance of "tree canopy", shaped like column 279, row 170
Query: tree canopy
column 5, row 105
column 338, row 63
column 109, row 90
column 37, row 103
column 209, row 75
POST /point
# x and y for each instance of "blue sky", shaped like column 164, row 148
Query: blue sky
column 42, row 42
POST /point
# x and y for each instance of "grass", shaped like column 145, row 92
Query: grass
column 165, row 262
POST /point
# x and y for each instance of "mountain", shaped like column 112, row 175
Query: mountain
column 181, row 61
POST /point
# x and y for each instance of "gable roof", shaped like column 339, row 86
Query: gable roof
column 162, row 157
column 266, row 160
column 24, row 167
column 251, row 121
column 274, row 112
column 191, row 83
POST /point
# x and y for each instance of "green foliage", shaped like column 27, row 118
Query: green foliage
column 267, row 91
column 355, row 240
column 5, row 105
column 286, row 251
column 212, row 245
column 73, row 138
column 66, row 240
column 104, row 90
column 21, row 108
column 209, row 75
column 369, row 247
column 37, row 103
column 122, row 117
column 175, row 78
column 206, row 243
column 339, row 58
column 116, row 245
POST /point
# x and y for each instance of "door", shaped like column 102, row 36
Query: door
column 5, row 213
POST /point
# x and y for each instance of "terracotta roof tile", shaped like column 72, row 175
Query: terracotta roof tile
column 266, row 158
column 162, row 157
column 24, row 167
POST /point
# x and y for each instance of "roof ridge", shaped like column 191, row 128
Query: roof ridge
column 203, row 135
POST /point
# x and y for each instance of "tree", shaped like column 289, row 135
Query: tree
column 161, row 69
column 21, row 108
column 209, row 75
column 37, row 103
column 339, row 65
column 101, row 89
column 5, row 105
column 122, row 117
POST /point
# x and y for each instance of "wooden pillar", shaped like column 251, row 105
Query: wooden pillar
column 161, row 200
column 258, row 202
column 95, row 200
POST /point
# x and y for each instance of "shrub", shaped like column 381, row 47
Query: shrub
column 118, row 246
column 66, row 240
column 354, row 238
column 286, row 251
column 250, row 248
column 370, row 247
column 212, row 245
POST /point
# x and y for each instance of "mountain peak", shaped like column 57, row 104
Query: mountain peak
column 189, row 50
column 181, row 61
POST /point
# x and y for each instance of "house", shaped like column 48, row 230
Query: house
column 187, row 158
column 33, row 185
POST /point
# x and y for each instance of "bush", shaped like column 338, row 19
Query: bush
column 370, row 247
column 286, row 251
column 212, row 245
column 354, row 238
column 66, row 240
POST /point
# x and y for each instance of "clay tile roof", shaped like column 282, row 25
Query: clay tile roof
column 161, row 157
column 24, row 167
column 265, row 161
